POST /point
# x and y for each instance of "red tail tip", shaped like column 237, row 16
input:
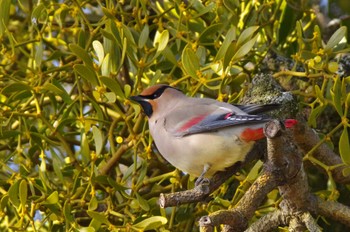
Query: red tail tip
column 288, row 123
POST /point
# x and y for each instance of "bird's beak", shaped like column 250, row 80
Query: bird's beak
column 136, row 98
column 146, row 106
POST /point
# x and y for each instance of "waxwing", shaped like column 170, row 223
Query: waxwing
column 201, row 136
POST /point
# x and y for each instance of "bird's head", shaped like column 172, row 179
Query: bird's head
column 157, row 98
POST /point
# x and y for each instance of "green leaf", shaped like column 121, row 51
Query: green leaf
column 246, row 35
column 57, row 91
column 87, row 229
column 85, row 149
column 143, row 203
column 127, row 90
column 335, row 38
column 190, row 62
column 13, row 194
column 116, row 186
column 128, row 35
column 201, row 9
column 39, row 49
column 288, row 20
column 5, row 6
column 113, row 85
column 111, row 97
column 98, row 138
column 98, row 47
column 67, row 212
column 14, row 87
column 57, row 165
column 23, row 193
column 38, row 14
column 83, row 38
column 52, row 198
column 315, row 112
column 336, row 95
column 81, row 53
column 151, row 223
column 230, row 36
column 87, row 73
column 93, row 204
column 101, row 217
column 244, row 49
column 144, row 35
column 208, row 33
column 344, row 146
column 254, row 172
column 319, row 94
column 168, row 54
column 63, row 93
column 3, row 203
column 232, row 5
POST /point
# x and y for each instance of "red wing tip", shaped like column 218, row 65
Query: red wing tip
column 289, row 123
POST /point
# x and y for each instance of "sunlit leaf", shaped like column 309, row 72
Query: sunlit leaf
column 151, row 223
column 230, row 36
column 246, row 35
column 98, row 47
column 106, row 67
column 52, row 198
column 337, row 36
column 244, row 49
column 162, row 40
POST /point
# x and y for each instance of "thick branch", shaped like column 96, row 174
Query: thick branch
column 334, row 210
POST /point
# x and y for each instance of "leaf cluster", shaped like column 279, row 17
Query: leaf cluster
column 76, row 154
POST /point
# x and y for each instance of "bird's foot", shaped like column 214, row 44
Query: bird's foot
column 202, row 181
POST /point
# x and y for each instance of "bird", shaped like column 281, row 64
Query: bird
column 201, row 136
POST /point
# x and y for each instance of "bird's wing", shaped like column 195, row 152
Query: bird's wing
column 200, row 118
column 258, row 109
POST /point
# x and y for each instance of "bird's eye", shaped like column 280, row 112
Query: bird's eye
column 156, row 95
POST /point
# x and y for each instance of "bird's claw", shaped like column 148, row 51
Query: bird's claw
column 202, row 181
